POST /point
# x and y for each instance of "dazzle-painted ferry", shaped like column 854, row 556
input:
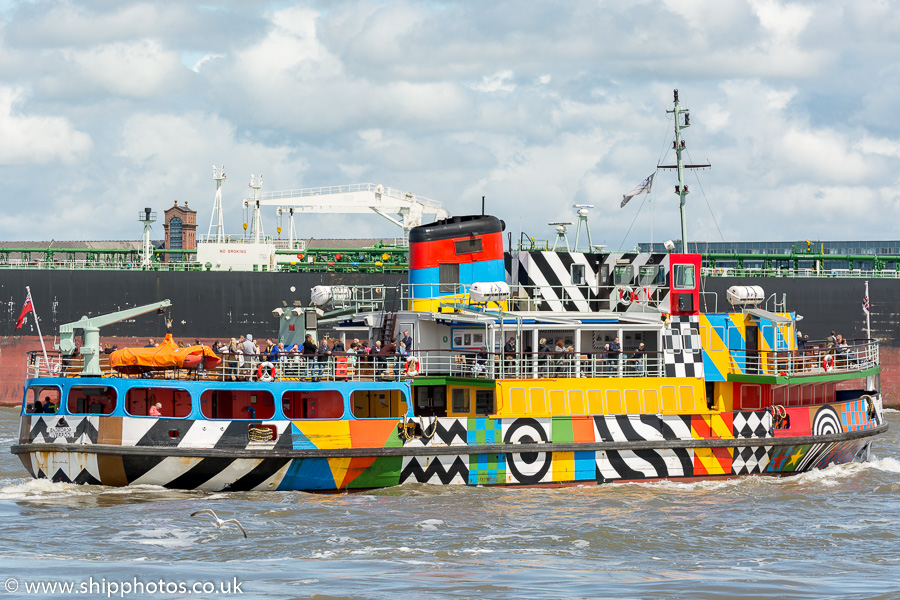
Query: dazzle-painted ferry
column 532, row 368
column 521, row 383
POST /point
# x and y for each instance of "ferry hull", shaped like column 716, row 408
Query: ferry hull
column 340, row 455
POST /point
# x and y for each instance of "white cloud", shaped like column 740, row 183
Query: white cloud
column 137, row 69
column 536, row 106
column 37, row 139
column 498, row 82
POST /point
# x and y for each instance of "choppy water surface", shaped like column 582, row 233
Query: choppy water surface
column 827, row 534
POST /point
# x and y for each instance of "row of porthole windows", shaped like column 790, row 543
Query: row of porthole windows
column 218, row 404
column 602, row 402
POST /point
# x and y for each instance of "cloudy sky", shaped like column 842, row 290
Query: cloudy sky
column 110, row 106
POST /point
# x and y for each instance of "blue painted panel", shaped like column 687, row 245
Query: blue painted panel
column 308, row 474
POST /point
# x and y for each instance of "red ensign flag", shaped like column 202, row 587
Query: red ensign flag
column 29, row 307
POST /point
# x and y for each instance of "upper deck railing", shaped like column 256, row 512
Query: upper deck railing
column 820, row 360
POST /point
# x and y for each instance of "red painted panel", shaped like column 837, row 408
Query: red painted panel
column 425, row 255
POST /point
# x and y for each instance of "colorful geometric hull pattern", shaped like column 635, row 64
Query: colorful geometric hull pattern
column 459, row 436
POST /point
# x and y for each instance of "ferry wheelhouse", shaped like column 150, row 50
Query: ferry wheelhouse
column 639, row 385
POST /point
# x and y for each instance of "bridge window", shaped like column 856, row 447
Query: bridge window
column 47, row 396
column 684, row 277
column 175, row 402
column 378, row 404
column 313, row 404
column 237, row 404
column 577, row 272
column 94, row 400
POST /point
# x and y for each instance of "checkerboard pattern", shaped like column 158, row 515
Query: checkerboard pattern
column 683, row 354
column 752, row 424
column 482, row 431
column 486, row 469
column 750, row 459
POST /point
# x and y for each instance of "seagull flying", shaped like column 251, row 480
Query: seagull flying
column 220, row 522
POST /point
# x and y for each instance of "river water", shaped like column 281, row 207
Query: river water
column 833, row 533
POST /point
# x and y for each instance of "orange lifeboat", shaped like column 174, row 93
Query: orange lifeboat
column 165, row 356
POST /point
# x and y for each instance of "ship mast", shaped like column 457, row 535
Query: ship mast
column 216, row 221
column 679, row 146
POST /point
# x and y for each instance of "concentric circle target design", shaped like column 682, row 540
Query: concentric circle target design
column 826, row 421
column 528, row 467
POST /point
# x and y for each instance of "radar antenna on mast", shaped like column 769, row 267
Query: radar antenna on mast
column 583, row 219
column 561, row 233
column 679, row 146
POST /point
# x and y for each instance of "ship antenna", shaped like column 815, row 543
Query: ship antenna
column 681, row 189
column 216, row 220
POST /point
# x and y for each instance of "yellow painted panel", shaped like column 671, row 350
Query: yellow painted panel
column 715, row 348
column 326, row 435
column 614, row 402
column 595, row 402
column 576, row 402
column 669, row 399
column 579, row 396
column 633, row 402
column 517, row 403
column 538, row 403
column 558, row 403
column 563, row 466
column 686, row 393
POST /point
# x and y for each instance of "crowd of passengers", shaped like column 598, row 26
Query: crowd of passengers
column 242, row 356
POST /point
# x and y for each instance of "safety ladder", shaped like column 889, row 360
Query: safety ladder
column 388, row 324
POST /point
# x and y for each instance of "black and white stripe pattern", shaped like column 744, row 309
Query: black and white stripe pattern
column 551, row 274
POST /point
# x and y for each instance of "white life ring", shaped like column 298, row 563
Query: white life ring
column 412, row 366
column 828, row 362
column 266, row 372
column 625, row 294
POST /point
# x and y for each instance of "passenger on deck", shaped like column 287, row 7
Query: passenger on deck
column 250, row 351
column 637, row 359
column 322, row 354
column 407, row 341
column 37, row 407
column 155, row 410
column 385, row 357
column 559, row 357
column 544, row 355
column 338, row 346
column 150, row 344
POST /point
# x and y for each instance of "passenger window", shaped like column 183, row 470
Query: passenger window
column 378, row 404
column 237, row 404
column 313, row 404
column 47, row 397
column 142, row 402
column 99, row 400
column 484, row 402
column 459, row 400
